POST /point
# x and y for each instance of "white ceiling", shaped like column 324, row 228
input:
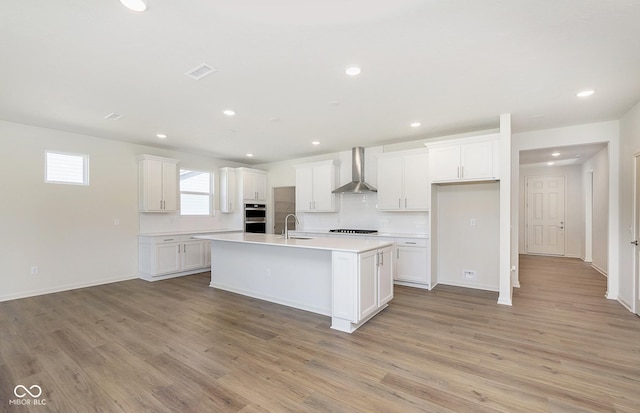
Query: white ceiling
column 454, row 66
column 566, row 155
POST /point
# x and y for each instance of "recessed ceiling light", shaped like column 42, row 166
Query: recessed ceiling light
column 250, row 155
column 161, row 135
column 415, row 124
column 353, row 70
column 584, row 93
column 229, row 112
column 555, row 154
column 135, row 5
column 549, row 163
column 315, row 143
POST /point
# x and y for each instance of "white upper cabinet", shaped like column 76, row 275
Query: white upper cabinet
column 403, row 181
column 314, row 183
column 228, row 190
column 157, row 184
column 468, row 159
column 254, row 184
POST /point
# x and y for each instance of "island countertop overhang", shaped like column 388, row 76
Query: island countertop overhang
column 318, row 243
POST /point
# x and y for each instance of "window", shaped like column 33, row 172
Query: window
column 66, row 168
column 195, row 192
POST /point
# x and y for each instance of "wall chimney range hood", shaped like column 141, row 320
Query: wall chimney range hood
column 357, row 184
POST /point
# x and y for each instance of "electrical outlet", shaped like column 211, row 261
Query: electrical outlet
column 34, row 270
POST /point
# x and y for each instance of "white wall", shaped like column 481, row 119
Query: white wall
column 574, row 212
column 463, row 246
column 603, row 132
column 629, row 147
column 598, row 165
column 68, row 231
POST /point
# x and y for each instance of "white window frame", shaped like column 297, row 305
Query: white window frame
column 85, row 168
column 210, row 193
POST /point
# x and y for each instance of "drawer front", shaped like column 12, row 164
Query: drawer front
column 412, row 242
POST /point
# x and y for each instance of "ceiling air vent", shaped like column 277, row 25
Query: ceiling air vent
column 113, row 116
column 200, row 71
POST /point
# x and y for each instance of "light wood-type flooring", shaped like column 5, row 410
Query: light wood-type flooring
column 180, row 346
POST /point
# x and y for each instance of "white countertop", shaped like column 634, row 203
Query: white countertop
column 198, row 232
column 379, row 234
column 320, row 243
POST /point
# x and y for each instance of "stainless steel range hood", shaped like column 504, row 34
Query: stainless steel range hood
column 357, row 184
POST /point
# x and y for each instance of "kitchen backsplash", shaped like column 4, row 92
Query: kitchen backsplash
column 358, row 211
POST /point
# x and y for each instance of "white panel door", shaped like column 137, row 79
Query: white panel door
column 304, row 189
column 637, row 236
column 444, row 163
column 193, row 255
column 169, row 186
column 167, row 258
column 323, row 184
column 368, row 284
column 385, row 276
column 417, row 189
column 411, row 264
column 476, row 160
column 390, row 183
column 545, row 207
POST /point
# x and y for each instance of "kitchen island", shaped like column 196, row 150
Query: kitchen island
column 349, row 280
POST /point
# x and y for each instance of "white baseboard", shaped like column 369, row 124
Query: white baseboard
column 473, row 286
column 66, row 287
column 625, row 304
column 601, row 271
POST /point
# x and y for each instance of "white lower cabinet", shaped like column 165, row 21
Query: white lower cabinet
column 162, row 257
column 412, row 262
column 359, row 295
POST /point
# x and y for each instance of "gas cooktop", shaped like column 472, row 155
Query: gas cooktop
column 354, row 231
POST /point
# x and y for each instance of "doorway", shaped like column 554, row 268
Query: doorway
column 284, row 203
column 545, row 212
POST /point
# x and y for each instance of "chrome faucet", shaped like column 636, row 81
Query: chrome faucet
column 286, row 224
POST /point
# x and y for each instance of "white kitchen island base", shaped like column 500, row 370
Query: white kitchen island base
column 301, row 280
column 349, row 280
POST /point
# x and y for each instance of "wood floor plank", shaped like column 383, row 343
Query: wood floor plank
column 179, row 345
